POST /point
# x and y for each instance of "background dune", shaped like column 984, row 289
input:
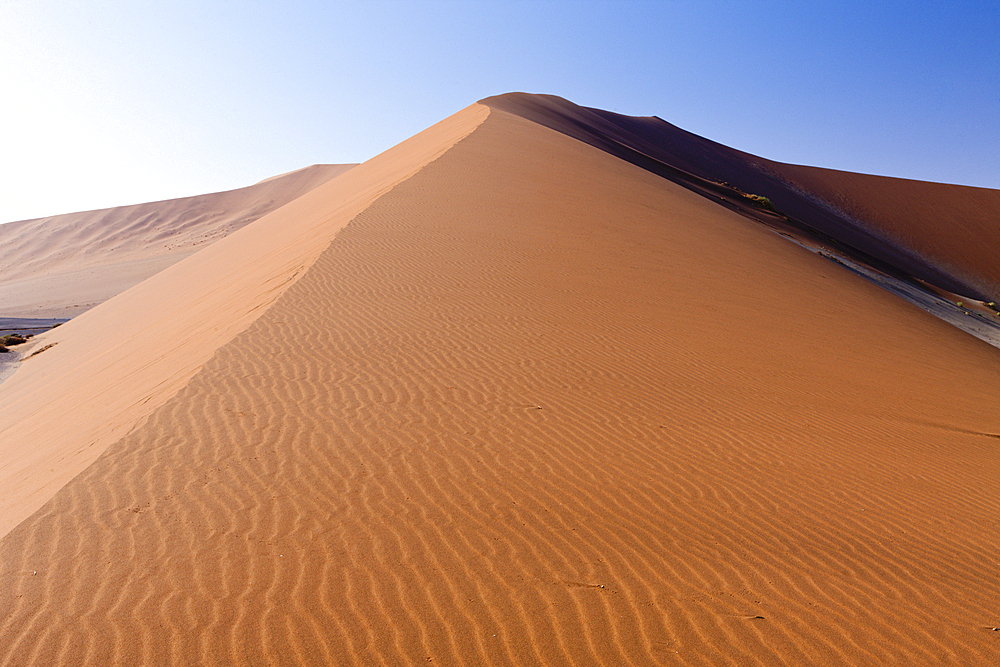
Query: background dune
column 523, row 402
column 63, row 265
column 954, row 227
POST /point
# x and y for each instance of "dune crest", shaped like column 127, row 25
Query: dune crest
column 942, row 234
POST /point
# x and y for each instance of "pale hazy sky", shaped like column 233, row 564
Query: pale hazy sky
column 112, row 103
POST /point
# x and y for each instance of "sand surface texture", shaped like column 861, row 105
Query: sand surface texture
column 63, row 265
column 533, row 404
column 86, row 384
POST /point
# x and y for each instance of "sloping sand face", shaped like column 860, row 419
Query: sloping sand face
column 90, row 381
column 954, row 226
column 941, row 234
column 536, row 405
column 63, row 265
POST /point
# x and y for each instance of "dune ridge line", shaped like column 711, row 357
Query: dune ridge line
column 942, row 234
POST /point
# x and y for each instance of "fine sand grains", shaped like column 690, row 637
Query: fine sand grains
column 538, row 406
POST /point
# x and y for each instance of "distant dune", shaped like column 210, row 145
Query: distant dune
column 63, row 265
column 533, row 387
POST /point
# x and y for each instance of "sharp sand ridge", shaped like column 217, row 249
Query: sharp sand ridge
column 523, row 402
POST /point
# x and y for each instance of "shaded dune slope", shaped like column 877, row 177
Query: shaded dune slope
column 62, row 265
column 942, row 234
column 535, row 405
column 955, row 227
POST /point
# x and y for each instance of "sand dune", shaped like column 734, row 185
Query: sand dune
column 942, row 234
column 103, row 372
column 63, row 265
column 498, row 396
column 953, row 226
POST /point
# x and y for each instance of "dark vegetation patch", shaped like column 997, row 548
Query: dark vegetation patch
column 39, row 350
column 761, row 201
column 10, row 340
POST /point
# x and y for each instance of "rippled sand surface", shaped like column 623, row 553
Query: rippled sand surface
column 531, row 404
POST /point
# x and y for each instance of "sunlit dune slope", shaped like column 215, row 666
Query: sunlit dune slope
column 943, row 234
column 63, row 265
column 522, row 402
column 103, row 372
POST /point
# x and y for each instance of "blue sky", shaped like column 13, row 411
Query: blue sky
column 113, row 103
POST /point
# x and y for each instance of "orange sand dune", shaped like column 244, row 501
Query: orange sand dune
column 62, row 265
column 942, row 234
column 498, row 397
column 97, row 376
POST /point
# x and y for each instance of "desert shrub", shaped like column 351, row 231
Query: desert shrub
column 40, row 350
column 762, row 201
column 12, row 339
column 3, row 348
